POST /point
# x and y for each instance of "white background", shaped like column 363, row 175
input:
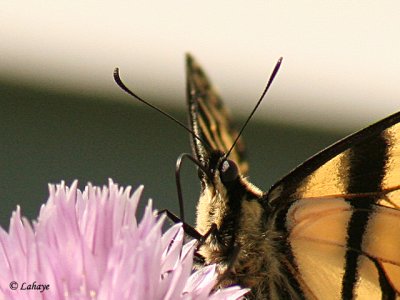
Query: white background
column 341, row 58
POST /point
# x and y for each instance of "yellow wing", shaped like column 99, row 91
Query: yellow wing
column 331, row 269
column 343, row 216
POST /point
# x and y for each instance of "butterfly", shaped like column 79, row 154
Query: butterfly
column 330, row 229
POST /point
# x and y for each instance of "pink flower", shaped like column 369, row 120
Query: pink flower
column 89, row 245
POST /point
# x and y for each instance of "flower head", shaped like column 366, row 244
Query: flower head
column 89, row 245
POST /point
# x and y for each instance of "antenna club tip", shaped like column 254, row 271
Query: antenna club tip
column 276, row 69
column 116, row 75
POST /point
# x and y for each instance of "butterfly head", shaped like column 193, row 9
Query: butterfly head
column 223, row 191
column 222, row 170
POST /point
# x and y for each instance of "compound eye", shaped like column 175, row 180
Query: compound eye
column 228, row 171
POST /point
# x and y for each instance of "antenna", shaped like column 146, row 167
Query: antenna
column 271, row 79
column 118, row 80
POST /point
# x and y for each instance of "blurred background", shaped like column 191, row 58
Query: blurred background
column 63, row 118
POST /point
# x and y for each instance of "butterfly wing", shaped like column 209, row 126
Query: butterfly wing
column 341, row 212
column 365, row 162
column 209, row 119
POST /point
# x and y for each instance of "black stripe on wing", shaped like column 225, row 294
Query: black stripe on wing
column 363, row 160
column 387, row 290
column 289, row 269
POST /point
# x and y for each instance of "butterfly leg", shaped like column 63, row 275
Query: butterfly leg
column 178, row 179
column 189, row 229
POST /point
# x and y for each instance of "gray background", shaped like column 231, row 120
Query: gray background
column 47, row 136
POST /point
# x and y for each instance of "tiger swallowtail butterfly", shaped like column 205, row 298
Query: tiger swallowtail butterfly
column 330, row 229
